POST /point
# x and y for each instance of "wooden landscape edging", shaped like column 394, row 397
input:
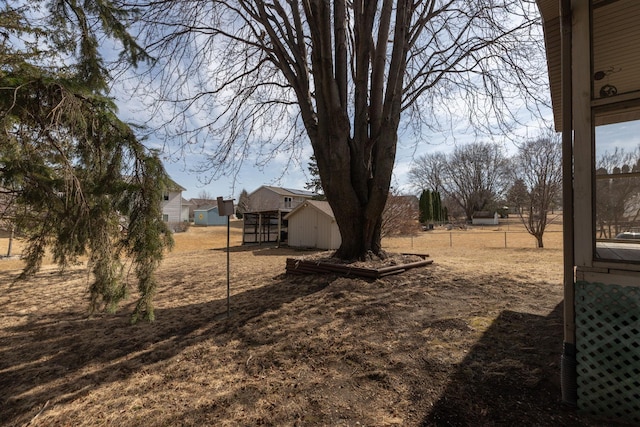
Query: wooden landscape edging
column 300, row 266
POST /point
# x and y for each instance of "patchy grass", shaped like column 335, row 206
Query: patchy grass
column 473, row 339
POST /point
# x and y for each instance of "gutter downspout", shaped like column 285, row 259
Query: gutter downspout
column 568, row 362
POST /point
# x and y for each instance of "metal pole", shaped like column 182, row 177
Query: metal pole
column 228, row 274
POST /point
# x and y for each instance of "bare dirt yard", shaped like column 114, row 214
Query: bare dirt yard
column 472, row 340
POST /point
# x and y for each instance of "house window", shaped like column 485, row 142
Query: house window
column 617, row 186
column 287, row 202
column 165, row 196
column 165, row 217
column 615, row 103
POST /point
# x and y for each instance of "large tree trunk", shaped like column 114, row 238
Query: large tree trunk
column 355, row 150
column 356, row 188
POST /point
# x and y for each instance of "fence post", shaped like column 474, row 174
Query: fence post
column 450, row 239
column 505, row 239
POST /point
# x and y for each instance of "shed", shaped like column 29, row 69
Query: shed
column 485, row 218
column 266, row 207
column 208, row 215
column 312, row 225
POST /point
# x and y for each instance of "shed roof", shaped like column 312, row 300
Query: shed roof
column 319, row 205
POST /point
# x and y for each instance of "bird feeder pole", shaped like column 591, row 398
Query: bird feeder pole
column 225, row 208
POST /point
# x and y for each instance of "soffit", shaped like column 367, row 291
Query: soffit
column 616, row 54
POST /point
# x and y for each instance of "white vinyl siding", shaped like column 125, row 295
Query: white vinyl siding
column 172, row 206
column 310, row 227
column 266, row 199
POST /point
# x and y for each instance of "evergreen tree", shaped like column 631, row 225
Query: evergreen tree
column 81, row 181
column 424, row 206
column 315, row 184
column 243, row 204
column 431, row 209
column 437, row 206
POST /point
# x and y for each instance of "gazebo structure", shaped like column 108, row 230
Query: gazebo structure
column 593, row 55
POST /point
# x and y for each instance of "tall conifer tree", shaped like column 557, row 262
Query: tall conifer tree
column 79, row 180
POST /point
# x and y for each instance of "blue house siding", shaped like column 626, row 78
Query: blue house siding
column 208, row 216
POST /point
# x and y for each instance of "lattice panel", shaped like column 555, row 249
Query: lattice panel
column 608, row 350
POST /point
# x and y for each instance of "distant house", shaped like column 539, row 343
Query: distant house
column 172, row 203
column 264, row 219
column 208, row 216
column 197, row 203
column 312, row 225
column 485, row 218
column 186, row 205
column 267, row 198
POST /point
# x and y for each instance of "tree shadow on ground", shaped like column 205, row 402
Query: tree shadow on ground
column 86, row 352
column 511, row 377
column 269, row 250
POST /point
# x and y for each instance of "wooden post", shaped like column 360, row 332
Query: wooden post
column 568, row 363
column 13, row 228
column 279, row 227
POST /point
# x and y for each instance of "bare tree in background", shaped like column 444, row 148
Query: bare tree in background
column 427, row 172
column 472, row 176
column 517, row 196
column 538, row 165
column 206, row 195
column 400, row 216
column 617, row 192
column 263, row 77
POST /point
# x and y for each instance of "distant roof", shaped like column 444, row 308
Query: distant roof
column 206, row 208
column 202, row 202
column 288, row 191
column 301, row 192
column 483, row 214
column 174, row 186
